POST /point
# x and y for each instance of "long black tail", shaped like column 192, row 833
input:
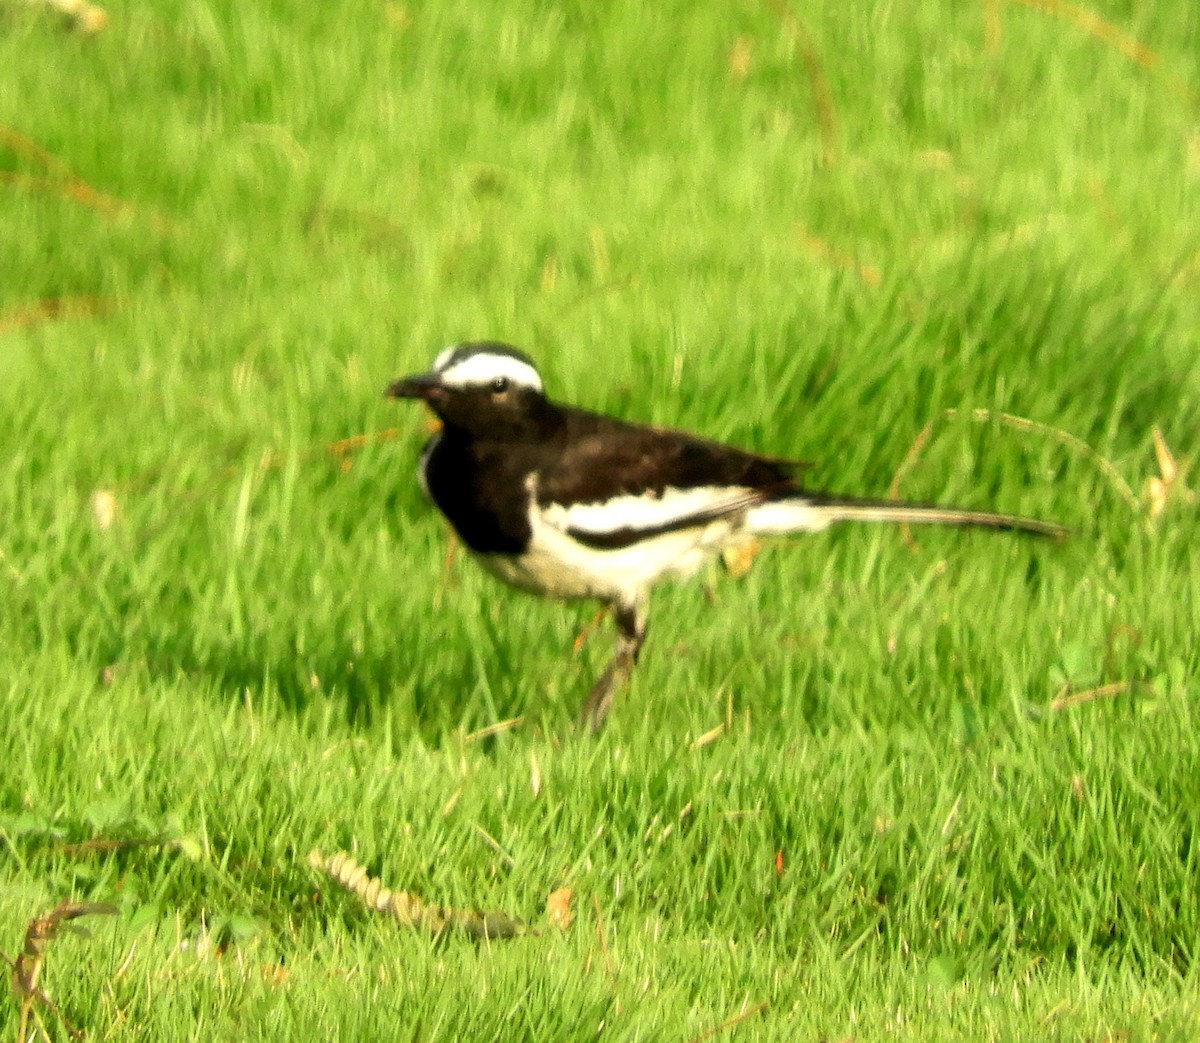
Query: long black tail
column 811, row 512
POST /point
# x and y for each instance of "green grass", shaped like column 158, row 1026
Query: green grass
column 895, row 835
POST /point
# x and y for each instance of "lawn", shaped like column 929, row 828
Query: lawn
column 939, row 785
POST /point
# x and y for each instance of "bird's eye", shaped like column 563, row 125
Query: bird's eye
column 499, row 385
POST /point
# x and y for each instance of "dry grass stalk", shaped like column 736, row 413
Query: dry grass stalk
column 1168, row 483
column 731, row 1022
column 344, row 446
column 827, row 252
column 602, row 939
column 818, row 82
column 1062, row 701
column 1086, row 19
column 1020, row 423
column 712, row 735
column 55, row 308
column 111, row 844
column 408, row 909
column 1101, row 28
column 496, row 728
column 62, row 180
column 31, row 150
column 79, row 14
column 495, row 845
column 75, row 189
column 587, row 629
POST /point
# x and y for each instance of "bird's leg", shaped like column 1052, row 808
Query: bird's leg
column 631, row 632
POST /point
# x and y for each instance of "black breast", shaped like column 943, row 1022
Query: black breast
column 480, row 488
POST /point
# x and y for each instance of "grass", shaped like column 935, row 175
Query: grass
column 838, row 803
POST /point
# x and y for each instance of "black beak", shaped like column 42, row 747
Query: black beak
column 419, row 385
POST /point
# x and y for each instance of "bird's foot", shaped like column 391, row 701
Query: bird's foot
column 599, row 701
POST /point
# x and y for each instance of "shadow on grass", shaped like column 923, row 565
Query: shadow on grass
column 436, row 695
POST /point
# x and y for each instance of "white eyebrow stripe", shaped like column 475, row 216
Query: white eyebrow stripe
column 481, row 369
column 444, row 356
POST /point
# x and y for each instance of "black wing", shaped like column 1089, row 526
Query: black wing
column 613, row 484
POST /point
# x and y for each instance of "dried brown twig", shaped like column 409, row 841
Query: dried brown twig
column 408, row 909
column 27, row 967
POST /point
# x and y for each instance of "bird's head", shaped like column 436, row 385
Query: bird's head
column 483, row 387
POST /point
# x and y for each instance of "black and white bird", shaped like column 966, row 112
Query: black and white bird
column 573, row 504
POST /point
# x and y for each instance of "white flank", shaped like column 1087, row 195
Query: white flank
column 648, row 512
column 481, row 369
column 558, row 565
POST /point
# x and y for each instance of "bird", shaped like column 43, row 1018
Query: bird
column 573, row 504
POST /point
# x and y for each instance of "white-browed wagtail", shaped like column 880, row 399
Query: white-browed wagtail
column 569, row 503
